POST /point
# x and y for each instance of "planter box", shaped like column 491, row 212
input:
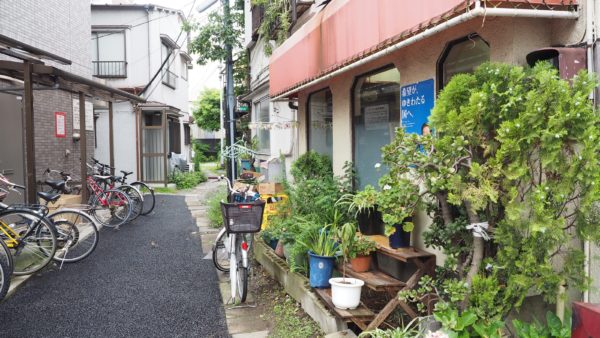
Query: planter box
column 296, row 285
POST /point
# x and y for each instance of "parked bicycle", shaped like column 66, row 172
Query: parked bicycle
column 242, row 217
column 144, row 189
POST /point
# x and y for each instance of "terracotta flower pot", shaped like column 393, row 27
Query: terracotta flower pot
column 279, row 249
column 361, row 263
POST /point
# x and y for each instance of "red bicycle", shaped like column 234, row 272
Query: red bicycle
column 110, row 207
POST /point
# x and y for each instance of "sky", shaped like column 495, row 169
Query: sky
column 200, row 77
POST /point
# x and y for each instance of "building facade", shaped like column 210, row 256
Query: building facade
column 60, row 28
column 356, row 83
column 143, row 49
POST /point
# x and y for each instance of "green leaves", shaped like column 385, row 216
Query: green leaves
column 207, row 110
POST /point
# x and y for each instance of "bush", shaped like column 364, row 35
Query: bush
column 214, row 208
column 312, row 165
column 187, row 180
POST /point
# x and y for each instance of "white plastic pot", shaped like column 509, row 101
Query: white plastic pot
column 345, row 292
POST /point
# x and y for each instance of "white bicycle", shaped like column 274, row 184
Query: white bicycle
column 242, row 217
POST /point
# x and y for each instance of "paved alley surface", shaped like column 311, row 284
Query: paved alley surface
column 146, row 280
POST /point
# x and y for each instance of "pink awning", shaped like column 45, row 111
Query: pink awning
column 347, row 30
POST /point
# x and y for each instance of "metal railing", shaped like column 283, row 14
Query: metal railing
column 169, row 78
column 110, row 69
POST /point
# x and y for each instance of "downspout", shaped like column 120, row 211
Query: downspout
column 590, row 33
column 477, row 11
column 148, row 36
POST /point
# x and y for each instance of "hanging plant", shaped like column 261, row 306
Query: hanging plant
column 276, row 21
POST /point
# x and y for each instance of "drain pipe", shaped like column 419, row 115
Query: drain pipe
column 477, row 11
column 590, row 33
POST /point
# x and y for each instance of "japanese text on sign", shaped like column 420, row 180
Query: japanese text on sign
column 416, row 104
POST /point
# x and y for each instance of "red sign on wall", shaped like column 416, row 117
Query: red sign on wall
column 60, row 124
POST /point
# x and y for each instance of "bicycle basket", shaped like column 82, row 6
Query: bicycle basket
column 242, row 217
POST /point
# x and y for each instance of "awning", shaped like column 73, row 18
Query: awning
column 346, row 32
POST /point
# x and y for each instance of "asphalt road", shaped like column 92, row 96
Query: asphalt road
column 146, row 280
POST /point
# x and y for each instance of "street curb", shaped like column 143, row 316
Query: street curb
column 297, row 286
column 15, row 283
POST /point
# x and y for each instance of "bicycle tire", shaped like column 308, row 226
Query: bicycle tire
column 4, row 279
column 241, row 276
column 220, row 254
column 113, row 219
column 6, row 256
column 148, row 195
column 37, row 249
column 78, row 236
column 137, row 201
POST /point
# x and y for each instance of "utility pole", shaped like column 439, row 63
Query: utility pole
column 231, row 173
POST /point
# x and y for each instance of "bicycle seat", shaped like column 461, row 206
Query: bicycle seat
column 56, row 184
column 126, row 173
column 103, row 178
column 48, row 197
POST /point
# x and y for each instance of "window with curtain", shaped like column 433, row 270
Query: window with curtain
column 319, row 118
column 261, row 114
column 462, row 56
column 376, row 115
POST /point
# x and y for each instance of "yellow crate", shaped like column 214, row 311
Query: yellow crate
column 271, row 207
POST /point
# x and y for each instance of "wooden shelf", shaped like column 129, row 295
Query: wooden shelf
column 361, row 311
column 401, row 254
column 374, row 279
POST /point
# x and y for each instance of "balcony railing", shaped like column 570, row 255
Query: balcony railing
column 110, row 69
column 169, row 78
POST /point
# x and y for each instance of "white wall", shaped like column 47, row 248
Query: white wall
column 124, row 138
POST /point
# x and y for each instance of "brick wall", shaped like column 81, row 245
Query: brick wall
column 61, row 27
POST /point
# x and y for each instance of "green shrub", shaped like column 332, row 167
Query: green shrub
column 312, row 165
column 187, row 180
column 214, row 208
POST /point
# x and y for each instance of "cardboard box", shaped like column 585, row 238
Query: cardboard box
column 270, row 188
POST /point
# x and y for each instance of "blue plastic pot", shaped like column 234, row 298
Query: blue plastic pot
column 273, row 243
column 246, row 164
column 400, row 238
column 321, row 269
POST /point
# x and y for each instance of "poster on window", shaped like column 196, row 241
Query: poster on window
column 377, row 117
column 60, row 124
column 89, row 115
column 415, row 104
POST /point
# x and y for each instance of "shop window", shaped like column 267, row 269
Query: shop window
column 263, row 134
column 319, row 118
column 462, row 56
column 376, row 115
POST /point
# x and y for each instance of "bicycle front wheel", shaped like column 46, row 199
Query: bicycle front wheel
column 220, row 254
column 112, row 209
column 30, row 238
column 6, row 256
column 148, row 195
column 77, row 235
column 4, row 279
column 242, row 282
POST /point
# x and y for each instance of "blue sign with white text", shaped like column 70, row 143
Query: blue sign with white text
column 416, row 104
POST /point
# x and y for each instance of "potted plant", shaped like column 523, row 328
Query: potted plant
column 398, row 200
column 360, row 253
column 363, row 206
column 247, row 158
column 345, row 292
column 321, row 248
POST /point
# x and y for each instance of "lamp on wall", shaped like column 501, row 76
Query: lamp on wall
column 76, row 137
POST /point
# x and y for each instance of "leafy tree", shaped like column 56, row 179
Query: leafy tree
column 518, row 149
column 212, row 36
column 207, row 110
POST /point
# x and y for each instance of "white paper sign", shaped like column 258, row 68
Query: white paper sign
column 89, row 115
column 377, row 117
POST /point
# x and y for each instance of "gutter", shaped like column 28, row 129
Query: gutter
column 478, row 11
